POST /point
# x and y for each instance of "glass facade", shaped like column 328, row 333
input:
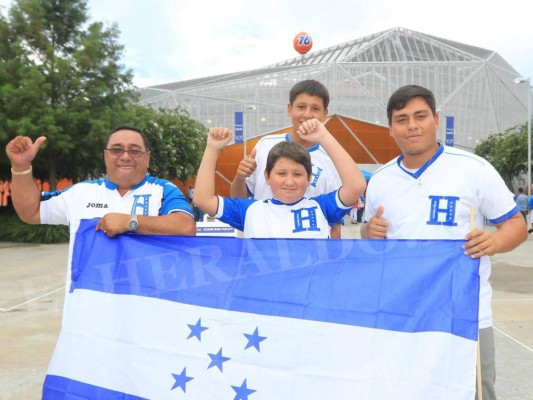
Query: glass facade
column 472, row 84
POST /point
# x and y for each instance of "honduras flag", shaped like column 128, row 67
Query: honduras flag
column 160, row 317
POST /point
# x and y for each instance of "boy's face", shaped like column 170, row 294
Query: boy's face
column 306, row 107
column 414, row 128
column 288, row 180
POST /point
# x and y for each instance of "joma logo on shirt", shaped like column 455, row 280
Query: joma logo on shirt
column 96, row 205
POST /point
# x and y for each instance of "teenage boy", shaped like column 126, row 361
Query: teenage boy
column 308, row 100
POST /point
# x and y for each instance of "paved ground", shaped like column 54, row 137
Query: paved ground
column 31, row 300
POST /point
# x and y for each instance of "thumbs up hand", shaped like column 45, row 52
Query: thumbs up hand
column 376, row 228
column 247, row 165
column 22, row 150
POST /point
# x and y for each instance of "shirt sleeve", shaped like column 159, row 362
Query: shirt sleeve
column 54, row 207
column 332, row 207
column 496, row 201
column 174, row 201
column 232, row 211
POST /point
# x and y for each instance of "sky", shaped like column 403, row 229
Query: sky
column 173, row 40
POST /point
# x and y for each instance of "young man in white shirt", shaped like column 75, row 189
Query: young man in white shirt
column 430, row 191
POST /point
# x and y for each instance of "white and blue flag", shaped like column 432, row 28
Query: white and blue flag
column 162, row 317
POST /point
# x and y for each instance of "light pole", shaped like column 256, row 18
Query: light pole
column 526, row 80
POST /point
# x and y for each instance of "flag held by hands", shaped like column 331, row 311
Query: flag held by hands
column 160, row 317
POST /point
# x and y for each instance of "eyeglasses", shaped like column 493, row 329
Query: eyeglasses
column 118, row 151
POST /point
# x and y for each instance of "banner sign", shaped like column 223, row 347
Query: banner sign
column 239, row 131
column 449, row 131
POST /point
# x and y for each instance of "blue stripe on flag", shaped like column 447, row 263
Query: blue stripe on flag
column 429, row 284
column 60, row 388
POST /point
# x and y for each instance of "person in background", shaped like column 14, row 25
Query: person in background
column 530, row 205
column 521, row 202
column 353, row 213
column 436, row 191
column 360, row 208
column 190, row 193
column 198, row 213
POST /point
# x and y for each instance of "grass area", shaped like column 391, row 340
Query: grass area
column 14, row 230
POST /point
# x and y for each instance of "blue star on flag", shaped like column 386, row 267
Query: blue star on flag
column 242, row 391
column 181, row 380
column 254, row 339
column 196, row 330
column 217, row 360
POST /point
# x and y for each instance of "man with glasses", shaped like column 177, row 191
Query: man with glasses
column 128, row 199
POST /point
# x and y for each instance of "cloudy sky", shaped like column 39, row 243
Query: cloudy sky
column 172, row 40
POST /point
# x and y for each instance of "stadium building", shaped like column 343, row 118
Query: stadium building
column 471, row 84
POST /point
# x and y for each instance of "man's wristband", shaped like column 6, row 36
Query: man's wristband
column 18, row 173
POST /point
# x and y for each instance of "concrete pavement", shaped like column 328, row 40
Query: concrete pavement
column 32, row 292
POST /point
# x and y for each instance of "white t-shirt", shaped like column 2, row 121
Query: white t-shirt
column 435, row 201
column 305, row 219
column 325, row 178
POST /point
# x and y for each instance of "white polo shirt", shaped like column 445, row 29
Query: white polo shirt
column 435, row 201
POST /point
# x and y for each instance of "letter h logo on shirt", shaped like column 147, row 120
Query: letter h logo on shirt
column 142, row 201
column 315, row 176
column 299, row 220
column 445, row 205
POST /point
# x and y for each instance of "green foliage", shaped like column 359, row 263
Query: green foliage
column 14, row 230
column 507, row 152
column 61, row 77
column 176, row 141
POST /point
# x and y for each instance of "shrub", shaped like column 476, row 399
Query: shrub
column 14, row 230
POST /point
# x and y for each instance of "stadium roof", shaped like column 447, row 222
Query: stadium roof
column 472, row 84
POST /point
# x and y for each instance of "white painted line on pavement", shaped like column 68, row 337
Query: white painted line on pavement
column 32, row 300
column 513, row 339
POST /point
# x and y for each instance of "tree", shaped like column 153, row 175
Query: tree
column 507, row 152
column 60, row 76
column 176, row 141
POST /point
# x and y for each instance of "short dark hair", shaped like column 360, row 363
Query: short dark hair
column 400, row 97
column 292, row 151
column 312, row 88
column 128, row 128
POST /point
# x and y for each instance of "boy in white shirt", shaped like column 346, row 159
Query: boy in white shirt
column 288, row 173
